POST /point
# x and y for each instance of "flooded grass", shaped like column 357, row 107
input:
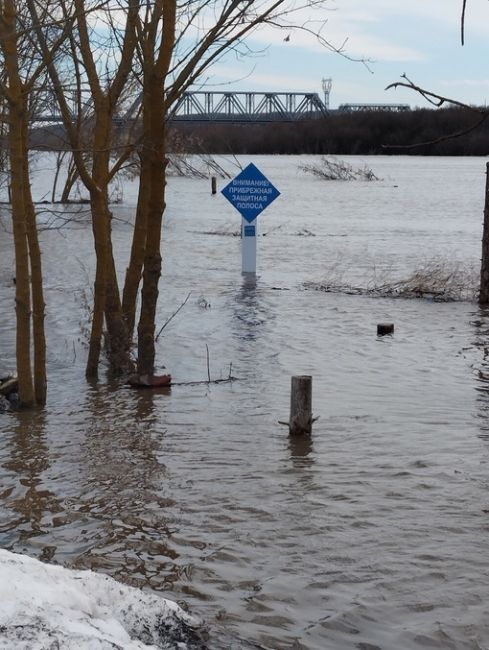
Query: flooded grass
column 439, row 280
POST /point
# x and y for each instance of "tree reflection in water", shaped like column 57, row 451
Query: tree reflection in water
column 480, row 322
column 33, row 509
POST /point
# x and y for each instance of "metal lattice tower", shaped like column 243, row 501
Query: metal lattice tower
column 327, row 84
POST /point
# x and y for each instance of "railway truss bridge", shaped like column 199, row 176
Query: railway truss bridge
column 211, row 106
column 239, row 106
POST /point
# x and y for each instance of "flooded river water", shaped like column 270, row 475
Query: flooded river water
column 371, row 534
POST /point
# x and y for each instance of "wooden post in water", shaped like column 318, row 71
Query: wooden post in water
column 484, row 282
column 214, row 185
column 385, row 328
column 300, row 420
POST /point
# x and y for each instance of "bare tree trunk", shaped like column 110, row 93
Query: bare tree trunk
column 38, row 305
column 154, row 153
column 157, row 53
column 101, row 236
column 135, row 269
column 17, row 117
column 106, row 292
column 484, row 280
column 99, row 226
column 97, row 328
column 118, row 339
column 22, row 283
column 105, row 94
column 71, row 178
column 106, row 298
column 59, row 162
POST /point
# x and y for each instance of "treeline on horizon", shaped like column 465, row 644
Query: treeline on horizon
column 425, row 132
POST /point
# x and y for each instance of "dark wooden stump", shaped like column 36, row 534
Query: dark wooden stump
column 385, row 328
column 300, row 421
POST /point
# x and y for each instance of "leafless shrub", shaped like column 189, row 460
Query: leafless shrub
column 439, row 280
column 198, row 164
column 187, row 158
column 332, row 169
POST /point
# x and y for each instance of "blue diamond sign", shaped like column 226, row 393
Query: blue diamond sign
column 250, row 192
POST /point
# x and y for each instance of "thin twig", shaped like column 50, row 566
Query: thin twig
column 462, row 21
column 208, row 366
column 208, row 381
column 172, row 316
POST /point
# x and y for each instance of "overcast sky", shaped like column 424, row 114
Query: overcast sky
column 420, row 38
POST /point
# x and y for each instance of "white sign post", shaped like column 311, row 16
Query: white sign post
column 250, row 193
column 248, row 246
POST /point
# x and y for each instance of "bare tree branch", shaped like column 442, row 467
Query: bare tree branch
column 462, row 21
column 438, row 100
column 433, row 98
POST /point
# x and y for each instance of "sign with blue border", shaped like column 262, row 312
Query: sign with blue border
column 250, row 192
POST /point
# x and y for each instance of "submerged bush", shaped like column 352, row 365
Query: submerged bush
column 332, row 169
column 439, row 280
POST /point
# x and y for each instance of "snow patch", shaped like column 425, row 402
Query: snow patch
column 45, row 606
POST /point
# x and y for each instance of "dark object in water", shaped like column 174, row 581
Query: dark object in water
column 149, row 381
column 385, row 328
column 4, row 404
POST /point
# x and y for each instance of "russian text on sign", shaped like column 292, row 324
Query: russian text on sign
column 250, row 192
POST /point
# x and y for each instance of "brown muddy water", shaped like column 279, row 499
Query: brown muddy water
column 372, row 534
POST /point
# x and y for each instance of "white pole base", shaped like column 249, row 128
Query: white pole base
column 248, row 246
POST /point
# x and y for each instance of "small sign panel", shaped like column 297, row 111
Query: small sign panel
column 249, row 231
column 250, row 192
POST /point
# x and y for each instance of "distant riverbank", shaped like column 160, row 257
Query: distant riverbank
column 418, row 132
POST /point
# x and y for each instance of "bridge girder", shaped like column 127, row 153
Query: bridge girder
column 240, row 106
column 247, row 106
